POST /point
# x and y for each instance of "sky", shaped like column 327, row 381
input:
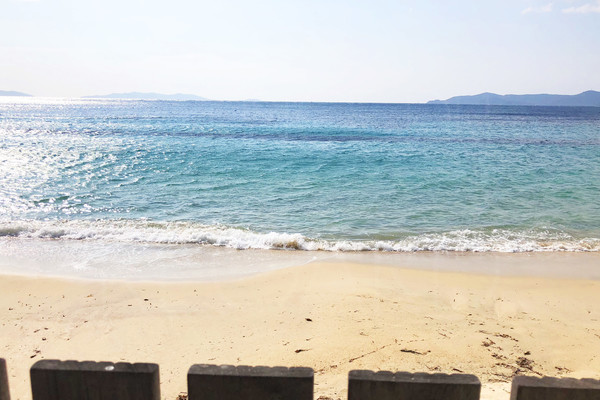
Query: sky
column 400, row 51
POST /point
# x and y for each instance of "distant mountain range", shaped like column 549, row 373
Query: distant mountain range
column 148, row 96
column 589, row 98
column 13, row 93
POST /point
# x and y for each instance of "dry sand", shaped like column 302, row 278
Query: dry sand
column 333, row 317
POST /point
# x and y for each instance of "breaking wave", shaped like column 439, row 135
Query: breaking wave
column 145, row 231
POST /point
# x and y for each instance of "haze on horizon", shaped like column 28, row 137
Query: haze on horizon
column 378, row 51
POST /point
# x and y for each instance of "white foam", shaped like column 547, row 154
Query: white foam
column 145, row 231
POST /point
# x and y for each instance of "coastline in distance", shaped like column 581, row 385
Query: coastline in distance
column 148, row 96
column 588, row 98
column 13, row 93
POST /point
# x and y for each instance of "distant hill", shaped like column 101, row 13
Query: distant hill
column 589, row 98
column 12, row 93
column 148, row 96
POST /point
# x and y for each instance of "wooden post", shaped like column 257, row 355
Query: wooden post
column 385, row 385
column 532, row 388
column 4, row 393
column 228, row 382
column 87, row 380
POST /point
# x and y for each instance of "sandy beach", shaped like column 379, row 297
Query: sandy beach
column 333, row 316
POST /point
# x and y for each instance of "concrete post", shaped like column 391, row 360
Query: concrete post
column 228, row 382
column 87, row 380
column 385, row 385
column 531, row 388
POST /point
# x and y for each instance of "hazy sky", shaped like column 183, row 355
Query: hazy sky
column 326, row 50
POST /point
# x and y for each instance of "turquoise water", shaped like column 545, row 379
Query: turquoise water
column 310, row 176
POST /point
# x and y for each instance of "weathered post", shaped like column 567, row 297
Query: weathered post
column 87, row 380
column 385, row 385
column 228, row 382
column 532, row 388
column 4, row 393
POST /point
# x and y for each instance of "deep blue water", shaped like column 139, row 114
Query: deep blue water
column 302, row 175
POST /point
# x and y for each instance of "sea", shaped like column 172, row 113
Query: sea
column 131, row 188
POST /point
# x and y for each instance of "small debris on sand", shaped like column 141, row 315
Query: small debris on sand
column 525, row 362
column 414, row 352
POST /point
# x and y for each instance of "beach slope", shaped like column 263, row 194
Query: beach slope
column 332, row 317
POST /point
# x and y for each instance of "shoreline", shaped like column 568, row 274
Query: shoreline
column 362, row 316
column 151, row 262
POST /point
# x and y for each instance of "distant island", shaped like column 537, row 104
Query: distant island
column 13, row 93
column 589, row 98
column 148, row 96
